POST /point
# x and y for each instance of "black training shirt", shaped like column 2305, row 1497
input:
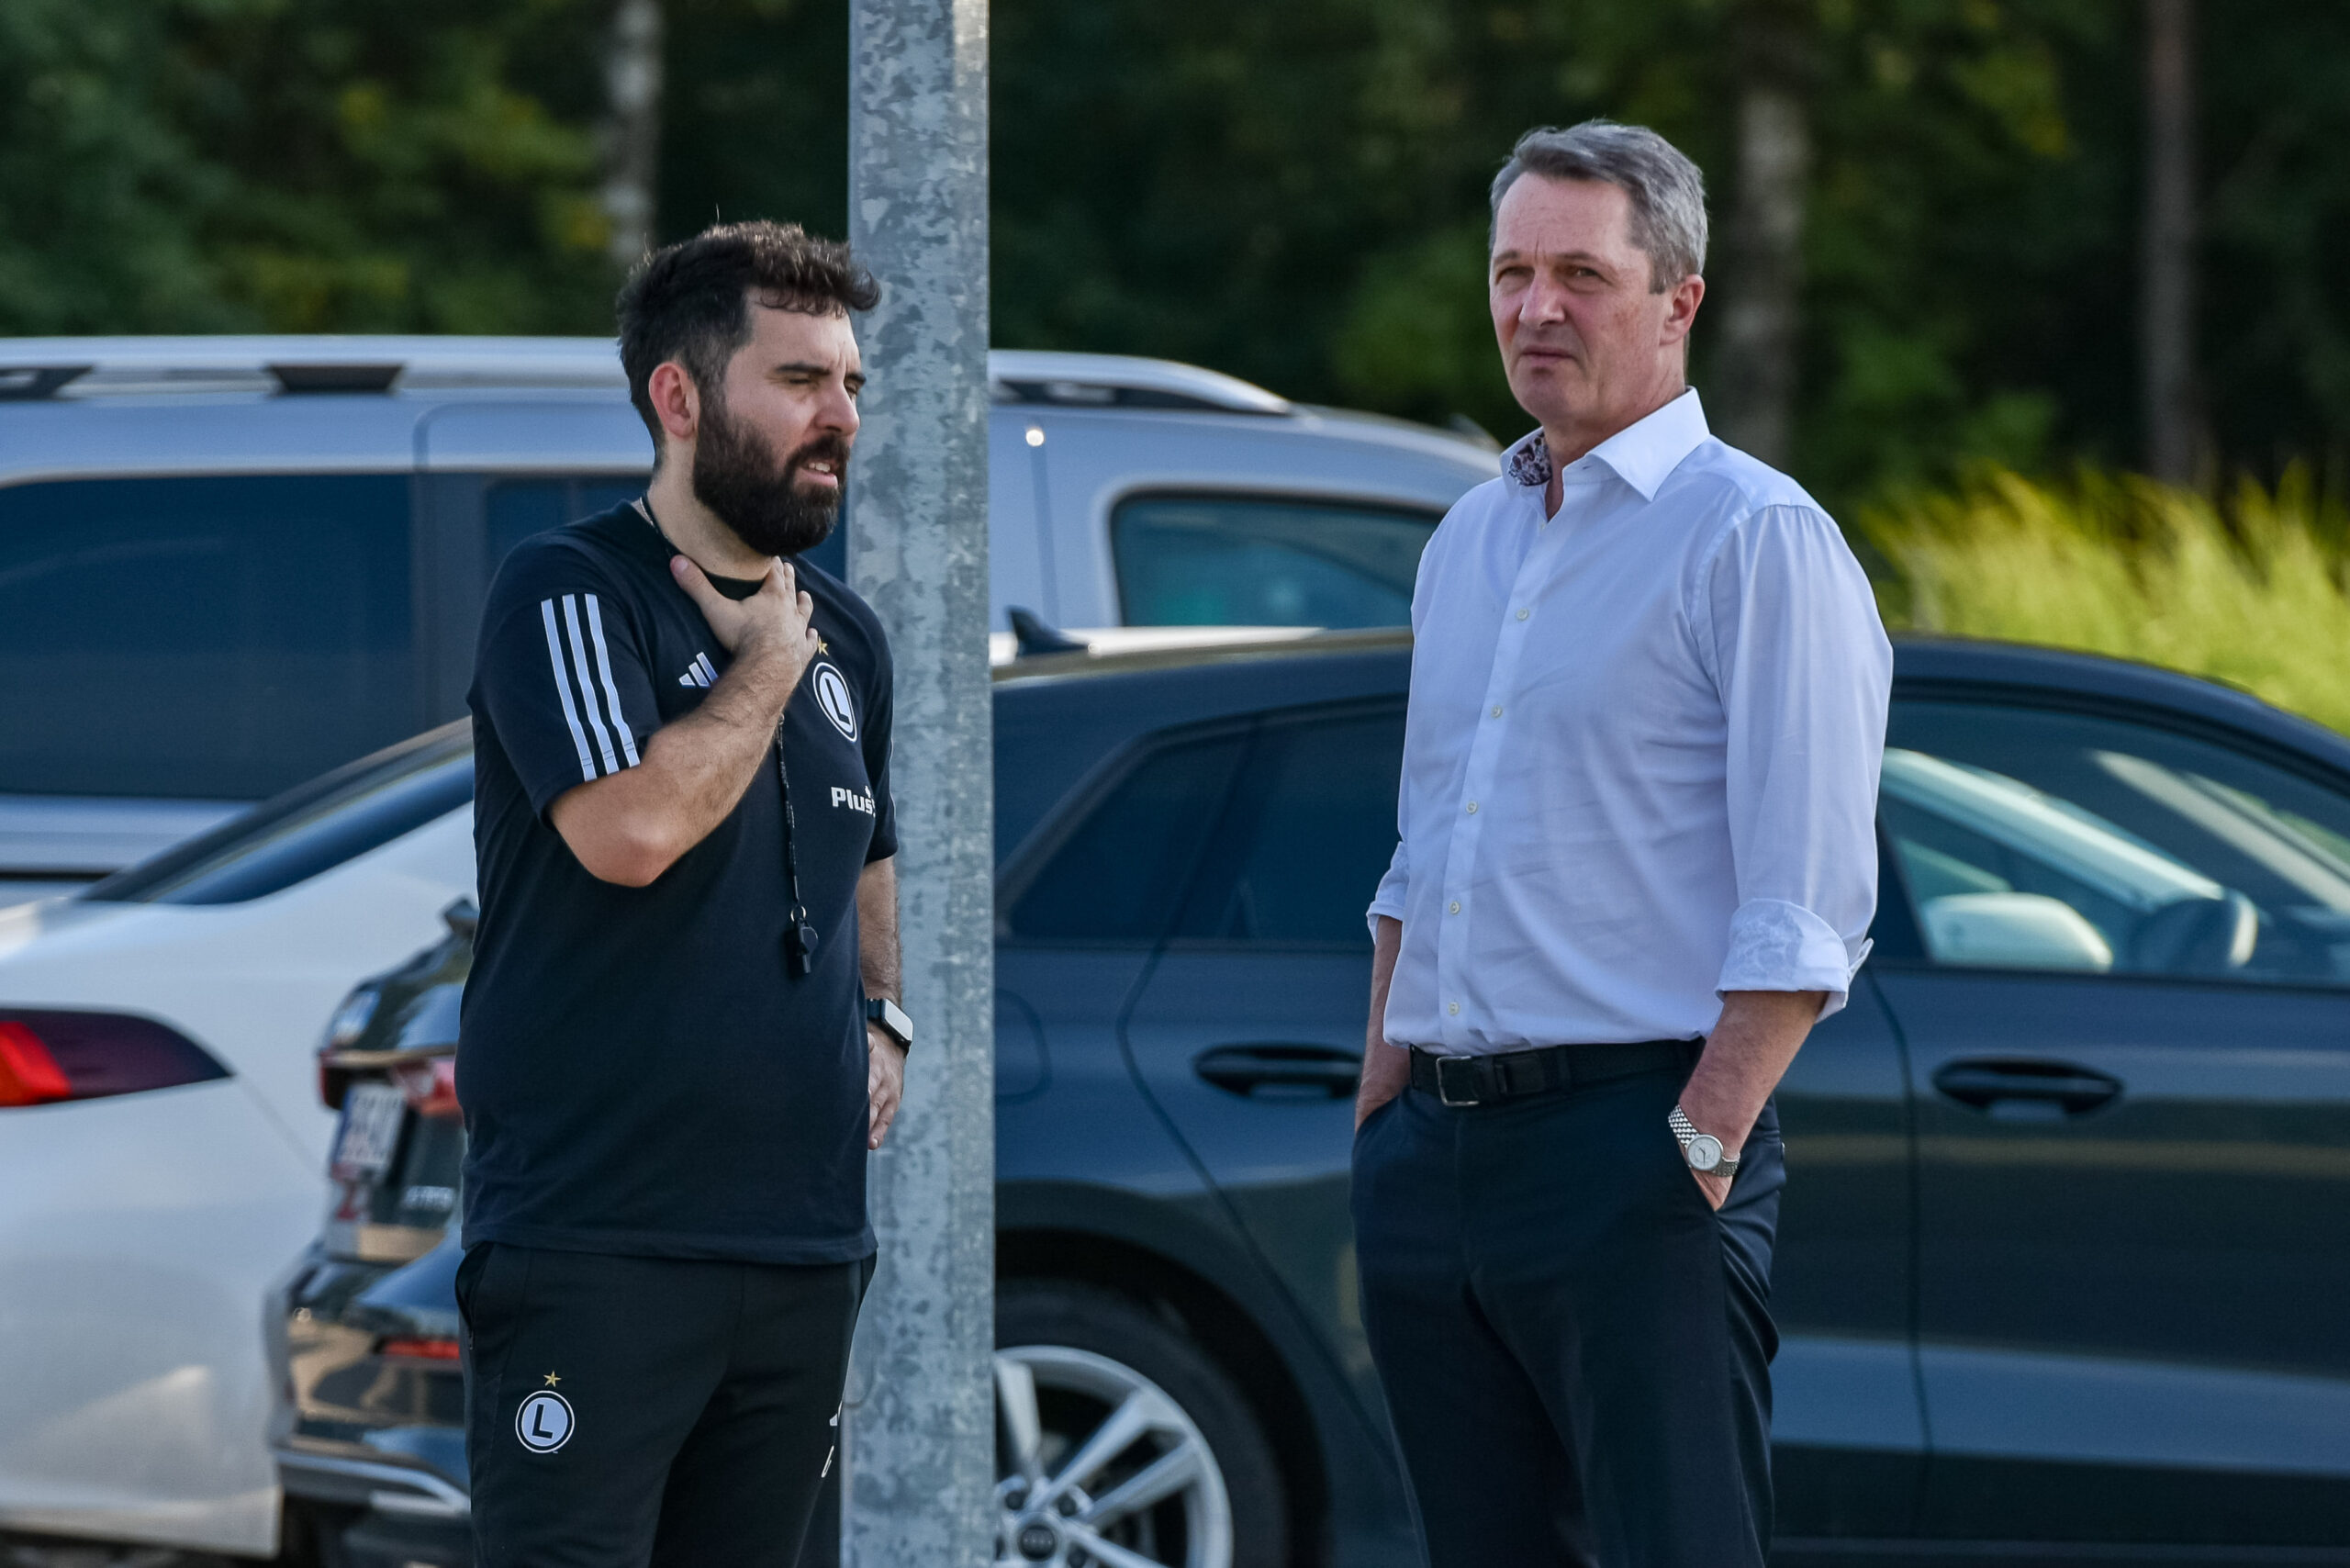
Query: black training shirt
column 639, row 1073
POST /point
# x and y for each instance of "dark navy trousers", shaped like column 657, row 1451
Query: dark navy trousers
column 1575, row 1347
column 651, row 1412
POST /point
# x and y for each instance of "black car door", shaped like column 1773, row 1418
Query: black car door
column 1249, row 1029
column 1080, row 914
column 2130, row 1029
column 1248, row 1032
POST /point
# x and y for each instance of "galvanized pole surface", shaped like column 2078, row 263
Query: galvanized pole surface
column 920, row 1438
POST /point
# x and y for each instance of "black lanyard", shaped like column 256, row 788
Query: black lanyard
column 799, row 937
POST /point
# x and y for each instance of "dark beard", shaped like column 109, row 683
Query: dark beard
column 736, row 476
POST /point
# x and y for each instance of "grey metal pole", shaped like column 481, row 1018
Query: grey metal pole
column 920, row 1438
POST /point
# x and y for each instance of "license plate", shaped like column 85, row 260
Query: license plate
column 372, row 1114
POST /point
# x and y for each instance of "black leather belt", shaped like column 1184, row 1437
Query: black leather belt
column 1514, row 1075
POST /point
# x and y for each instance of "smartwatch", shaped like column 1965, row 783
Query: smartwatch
column 893, row 1021
column 1702, row 1150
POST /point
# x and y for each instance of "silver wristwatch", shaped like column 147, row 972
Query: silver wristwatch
column 1702, row 1150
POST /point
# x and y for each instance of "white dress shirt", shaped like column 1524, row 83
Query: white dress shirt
column 1641, row 765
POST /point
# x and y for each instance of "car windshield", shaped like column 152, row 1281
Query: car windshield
column 311, row 828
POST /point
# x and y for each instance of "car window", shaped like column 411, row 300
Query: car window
column 513, row 510
column 1119, row 872
column 1230, row 560
column 2035, row 839
column 307, row 829
column 1310, row 833
column 221, row 636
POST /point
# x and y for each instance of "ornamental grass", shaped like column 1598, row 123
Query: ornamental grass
column 2254, row 591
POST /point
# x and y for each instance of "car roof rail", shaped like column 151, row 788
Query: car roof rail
column 34, row 369
column 1122, row 381
column 90, row 367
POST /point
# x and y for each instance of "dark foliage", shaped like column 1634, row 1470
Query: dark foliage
column 1293, row 193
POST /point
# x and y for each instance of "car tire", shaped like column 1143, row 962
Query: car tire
column 1084, row 1353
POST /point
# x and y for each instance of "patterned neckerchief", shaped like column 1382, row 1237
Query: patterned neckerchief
column 1529, row 465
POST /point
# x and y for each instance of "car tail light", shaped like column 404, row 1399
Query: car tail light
column 419, row 1349
column 29, row 1074
column 432, row 1086
column 49, row 1057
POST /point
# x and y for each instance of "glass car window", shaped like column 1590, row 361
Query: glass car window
column 2031, row 839
column 1212, row 560
column 214, row 637
column 1310, row 834
column 513, row 510
column 1117, row 877
column 309, row 828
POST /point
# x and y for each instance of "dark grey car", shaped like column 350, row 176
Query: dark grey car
column 2066, row 1247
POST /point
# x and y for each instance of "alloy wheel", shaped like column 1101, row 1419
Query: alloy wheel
column 1100, row 1469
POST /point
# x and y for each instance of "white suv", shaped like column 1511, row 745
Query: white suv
column 229, row 563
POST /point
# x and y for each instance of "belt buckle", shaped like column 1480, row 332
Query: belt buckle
column 1443, row 1087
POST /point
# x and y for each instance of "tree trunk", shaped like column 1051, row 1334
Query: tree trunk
column 1753, row 405
column 2166, row 246
column 632, row 127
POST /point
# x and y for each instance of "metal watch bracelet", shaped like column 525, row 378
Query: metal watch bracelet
column 1702, row 1150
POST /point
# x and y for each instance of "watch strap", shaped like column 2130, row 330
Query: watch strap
column 1687, row 1131
column 892, row 1019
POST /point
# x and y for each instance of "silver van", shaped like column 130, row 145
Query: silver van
column 229, row 563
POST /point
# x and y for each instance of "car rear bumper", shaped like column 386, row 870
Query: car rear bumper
column 386, row 1485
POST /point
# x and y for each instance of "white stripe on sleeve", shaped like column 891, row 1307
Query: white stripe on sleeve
column 563, row 689
column 586, row 684
column 611, row 693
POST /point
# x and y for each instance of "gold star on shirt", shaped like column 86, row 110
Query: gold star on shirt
column 553, row 1380
column 822, row 646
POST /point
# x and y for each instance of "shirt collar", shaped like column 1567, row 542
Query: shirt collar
column 1641, row 455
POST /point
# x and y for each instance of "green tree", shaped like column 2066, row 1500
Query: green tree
column 392, row 172
column 333, row 166
column 1293, row 193
column 756, row 122
column 101, row 194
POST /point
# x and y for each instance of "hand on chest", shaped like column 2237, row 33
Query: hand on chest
column 822, row 724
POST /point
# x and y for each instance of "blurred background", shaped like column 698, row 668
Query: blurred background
column 2045, row 298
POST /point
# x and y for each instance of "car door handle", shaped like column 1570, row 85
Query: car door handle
column 1293, row 1072
column 1984, row 1081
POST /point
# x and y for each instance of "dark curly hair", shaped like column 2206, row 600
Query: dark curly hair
column 691, row 301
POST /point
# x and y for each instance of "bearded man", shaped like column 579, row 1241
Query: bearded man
column 680, row 1037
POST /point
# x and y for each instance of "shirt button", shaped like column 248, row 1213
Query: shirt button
column 1455, row 906
column 1453, row 1008
column 1497, row 710
column 1472, row 808
column 1524, row 613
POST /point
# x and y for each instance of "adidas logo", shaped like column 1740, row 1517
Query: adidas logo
column 701, row 672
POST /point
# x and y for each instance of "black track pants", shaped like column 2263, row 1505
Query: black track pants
column 1574, row 1346
column 649, row 1412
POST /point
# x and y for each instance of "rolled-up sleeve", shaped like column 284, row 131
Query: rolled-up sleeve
column 1389, row 900
column 1805, row 673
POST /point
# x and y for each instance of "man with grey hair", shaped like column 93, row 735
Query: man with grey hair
column 1637, row 864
